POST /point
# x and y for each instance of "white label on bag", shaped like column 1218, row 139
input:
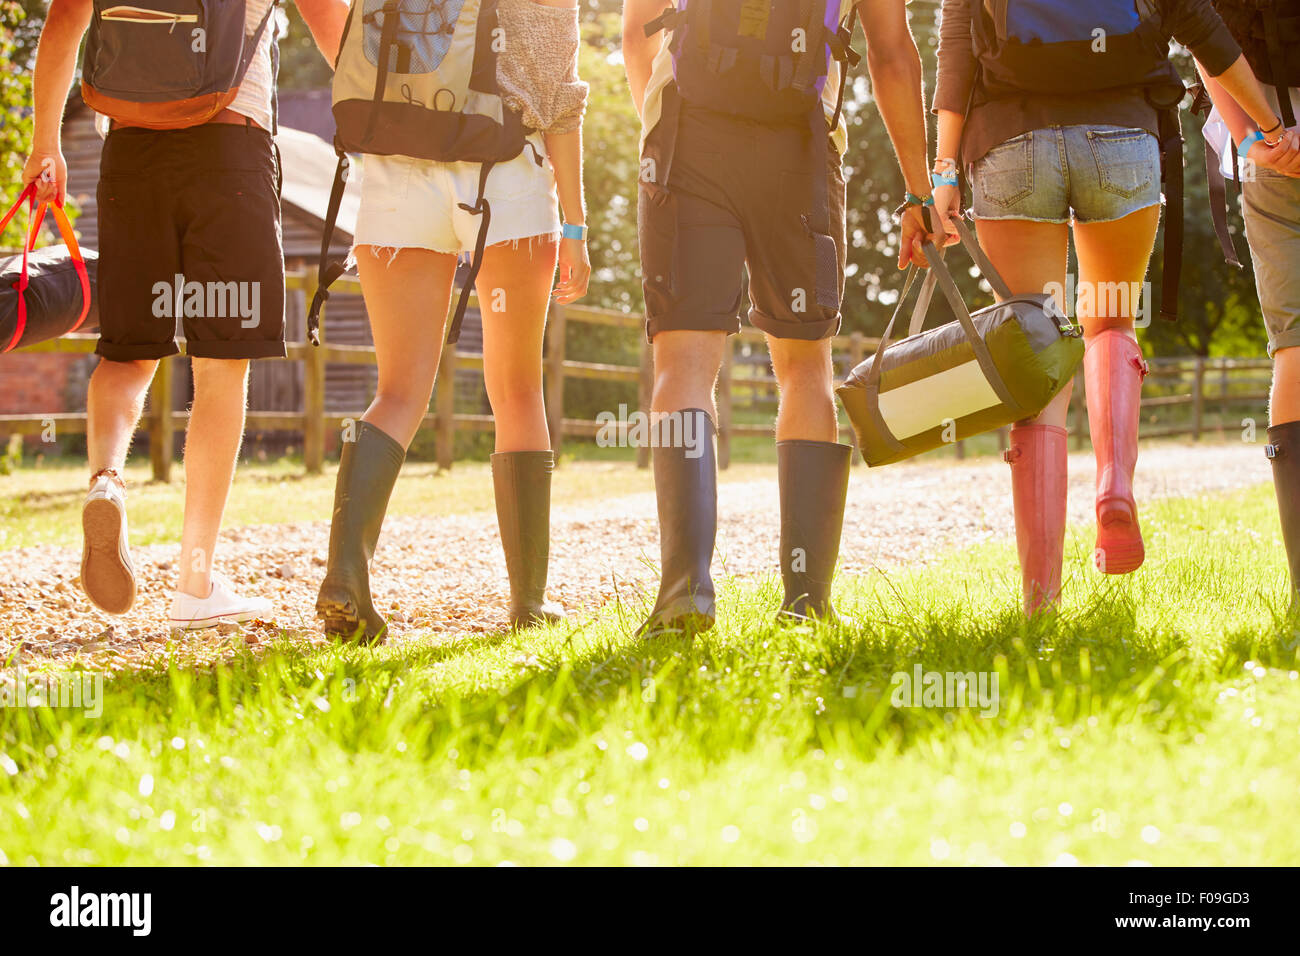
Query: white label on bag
column 926, row 403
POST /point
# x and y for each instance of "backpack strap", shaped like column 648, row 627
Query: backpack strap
column 387, row 40
column 1171, row 148
column 1277, row 60
column 842, row 50
column 669, row 20
column 327, row 269
column 1217, row 186
column 482, row 208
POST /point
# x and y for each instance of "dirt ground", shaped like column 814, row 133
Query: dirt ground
column 447, row 574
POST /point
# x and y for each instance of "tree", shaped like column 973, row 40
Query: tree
column 15, row 130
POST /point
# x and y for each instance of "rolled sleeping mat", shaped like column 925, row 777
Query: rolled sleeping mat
column 1003, row 364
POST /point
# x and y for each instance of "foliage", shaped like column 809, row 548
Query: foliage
column 15, row 120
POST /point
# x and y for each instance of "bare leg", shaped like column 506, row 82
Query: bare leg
column 212, row 440
column 514, row 289
column 1284, row 401
column 806, row 378
column 114, row 402
column 407, row 299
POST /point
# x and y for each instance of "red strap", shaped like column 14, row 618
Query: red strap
column 36, row 215
column 28, row 194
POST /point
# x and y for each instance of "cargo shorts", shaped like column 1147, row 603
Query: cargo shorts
column 1272, row 212
column 742, row 194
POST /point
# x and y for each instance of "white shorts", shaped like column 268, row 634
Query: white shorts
column 414, row 203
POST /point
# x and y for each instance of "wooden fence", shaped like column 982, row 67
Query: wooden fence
column 1189, row 385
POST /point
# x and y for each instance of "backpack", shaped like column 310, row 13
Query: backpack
column 1268, row 32
column 418, row 78
column 168, row 64
column 1066, row 47
column 766, row 60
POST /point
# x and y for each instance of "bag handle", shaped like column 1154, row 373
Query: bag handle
column 939, row 274
column 35, row 216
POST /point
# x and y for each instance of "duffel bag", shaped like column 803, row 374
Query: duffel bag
column 998, row 366
column 47, row 293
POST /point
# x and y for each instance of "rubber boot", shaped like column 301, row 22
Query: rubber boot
column 1284, row 451
column 1038, row 456
column 813, row 477
column 368, row 471
column 522, row 483
column 686, row 488
column 1113, row 371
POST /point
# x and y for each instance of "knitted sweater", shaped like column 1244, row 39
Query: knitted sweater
column 537, row 70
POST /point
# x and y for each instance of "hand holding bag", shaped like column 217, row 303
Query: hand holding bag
column 45, row 294
column 1003, row 364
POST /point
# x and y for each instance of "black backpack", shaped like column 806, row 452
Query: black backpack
column 767, row 60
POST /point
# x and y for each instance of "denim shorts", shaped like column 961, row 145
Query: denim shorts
column 1096, row 173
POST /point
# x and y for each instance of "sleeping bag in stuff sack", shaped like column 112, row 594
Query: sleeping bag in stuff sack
column 998, row 366
column 54, row 297
column 47, row 293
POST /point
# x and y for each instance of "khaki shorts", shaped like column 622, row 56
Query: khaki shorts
column 1272, row 211
column 742, row 194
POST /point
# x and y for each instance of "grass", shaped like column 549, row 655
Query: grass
column 1157, row 720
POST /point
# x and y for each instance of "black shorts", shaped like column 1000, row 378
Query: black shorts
column 741, row 193
column 189, row 227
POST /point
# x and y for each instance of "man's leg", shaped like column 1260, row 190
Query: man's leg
column 686, row 480
column 1272, row 214
column 114, row 402
column 212, row 440
column 813, row 474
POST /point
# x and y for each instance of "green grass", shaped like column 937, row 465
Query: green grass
column 1157, row 720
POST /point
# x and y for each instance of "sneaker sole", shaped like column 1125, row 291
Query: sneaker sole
column 204, row 623
column 106, row 573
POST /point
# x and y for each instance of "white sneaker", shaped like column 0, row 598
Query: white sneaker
column 107, row 576
column 221, row 606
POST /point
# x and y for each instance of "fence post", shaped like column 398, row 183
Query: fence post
column 555, row 336
column 1198, row 397
column 313, row 400
column 444, row 404
column 645, row 395
column 162, row 430
column 725, row 409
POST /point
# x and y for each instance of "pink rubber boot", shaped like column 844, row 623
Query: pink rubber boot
column 1038, row 484
column 1113, row 371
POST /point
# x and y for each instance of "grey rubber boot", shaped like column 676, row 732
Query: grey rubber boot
column 522, row 483
column 368, row 471
column 686, row 488
column 1284, row 451
column 814, row 482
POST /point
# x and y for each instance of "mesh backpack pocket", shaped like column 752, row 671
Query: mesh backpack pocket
column 423, row 37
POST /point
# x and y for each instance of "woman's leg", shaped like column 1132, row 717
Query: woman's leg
column 1113, row 260
column 514, row 290
column 407, row 295
column 1033, row 257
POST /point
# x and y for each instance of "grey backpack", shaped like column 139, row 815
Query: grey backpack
column 168, row 64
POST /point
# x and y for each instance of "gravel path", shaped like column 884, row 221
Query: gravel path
column 447, row 574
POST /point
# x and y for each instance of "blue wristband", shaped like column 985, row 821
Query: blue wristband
column 943, row 179
column 570, row 231
column 1243, row 151
column 913, row 200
